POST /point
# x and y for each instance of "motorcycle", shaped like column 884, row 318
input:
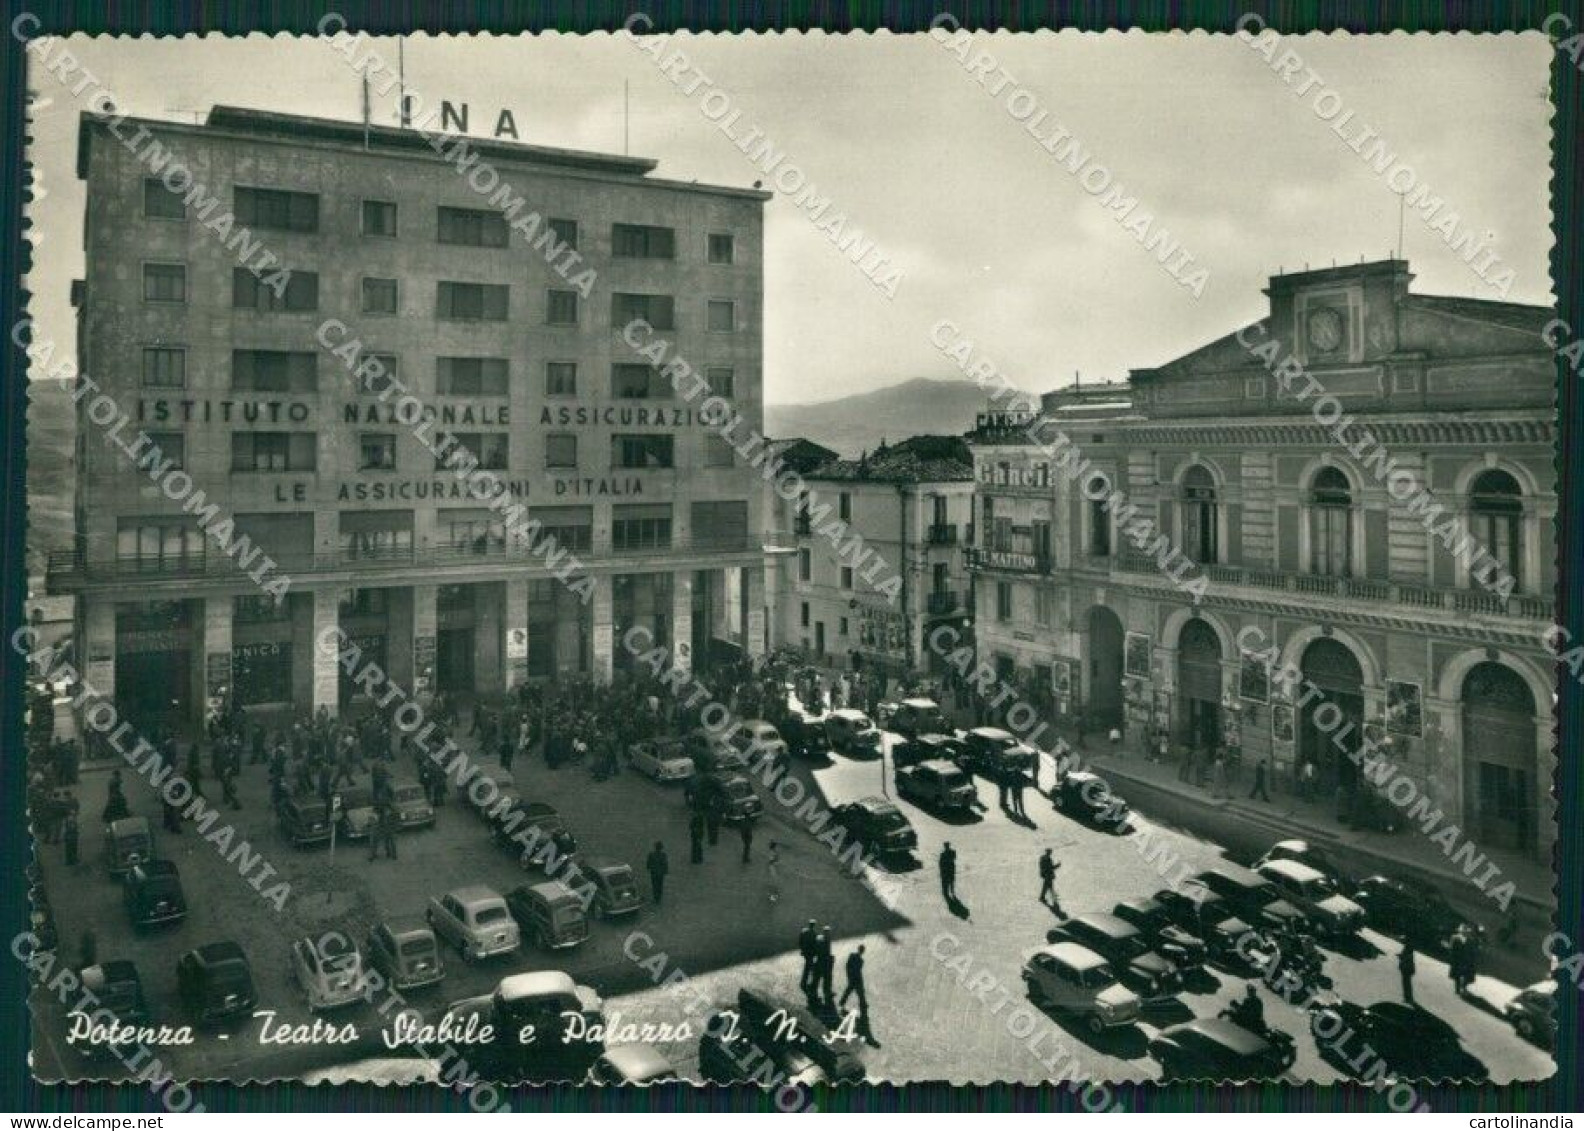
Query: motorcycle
column 1297, row 957
column 1286, row 1048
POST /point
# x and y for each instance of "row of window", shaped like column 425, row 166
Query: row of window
column 286, row 211
column 454, row 301
column 285, row 371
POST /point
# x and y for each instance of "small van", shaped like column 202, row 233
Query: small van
column 549, row 914
column 1310, row 891
column 851, row 732
column 1076, row 980
column 406, row 953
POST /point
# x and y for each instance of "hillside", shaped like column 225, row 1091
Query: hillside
column 858, row 423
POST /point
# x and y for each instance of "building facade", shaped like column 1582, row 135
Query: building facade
column 503, row 320
column 1394, row 545
column 872, row 607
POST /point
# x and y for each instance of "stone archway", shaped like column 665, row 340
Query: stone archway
column 1199, row 685
column 1330, row 724
column 1501, row 756
column 1104, row 691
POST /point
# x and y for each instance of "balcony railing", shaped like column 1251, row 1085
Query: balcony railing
column 1360, row 589
column 943, row 534
column 943, row 602
column 1008, row 561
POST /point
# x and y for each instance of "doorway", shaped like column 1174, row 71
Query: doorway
column 1104, row 693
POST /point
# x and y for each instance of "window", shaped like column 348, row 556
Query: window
column 563, row 308
column 642, row 527
column 167, row 446
column 250, row 292
column 377, row 451
column 805, row 565
column 643, row 452
column 164, row 282
column 1003, row 601
column 638, row 383
column 640, row 241
column 151, row 545
column 472, row 376
column 274, row 371
column 160, row 203
column 375, row 373
column 476, row 531
column 375, row 534
column 273, row 451
column 560, row 378
column 277, row 209
column 718, row 451
column 720, row 525
column 844, row 506
column 570, row 527
column 379, row 296
column 1496, row 503
column 1043, row 603
column 379, row 218
column 472, row 302
column 490, row 449
column 164, row 368
column 471, row 227
column 841, row 626
column 721, row 249
column 721, row 381
column 565, row 232
column 1040, row 539
column 1099, row 519
column 657, row 310
column 561, row 449
column 722, row 316
column 846, row 577
column 1200, row 517
column 1331, row 524
column 803, row 613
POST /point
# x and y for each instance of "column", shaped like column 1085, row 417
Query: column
column 514, row 630
column 488, row 656
column 604, row 616
column 99, row 646
column 754, row 621
column 217, row 619
column 424, row 635
column 326, row 675
column 682, row 620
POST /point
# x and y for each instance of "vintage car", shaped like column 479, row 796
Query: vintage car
column 215, row 983
column 549, row 914
column 805, row 734
column 538, row 1006
column 1311, row 854
column 411, row 802
column 712, row 750
column 117, row 989
column 631, row 1064
column 475, row 920
column 1213, row 1048
column 1074, row 979
column 1185, row 949
column 913, row 717
column 1125, row 947
column 776, row 1024
column 936, row 785
column 993, row 753
column 154, row 894
column 541, row 835
column 757, row 740
column 930, row 748
column 727, row 1054
column 1334, row 916
column 1408, row 1040
column 730, row 795
column 851, row 732
column 128, row 841
column 1254, row 899
column 1409, row 909
column 1088, row 798
column 357, row 816
column 329, row 970
column 305, row 821
column 877, row 825
column 615, row 888
column 405, row 952
column 661, row 760
column 1532, row 1014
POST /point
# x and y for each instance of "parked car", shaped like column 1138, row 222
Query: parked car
column 537, row 1005
column 539, row 824
column 549, row 914
column 777, row 1025
column 1533, row 1014
column 154, row 894
column 1409, row 1040
column 631, row 1064
column 914, row 717
column 730, row 795
column 406, row 953
column 1213, row 1048
column 215, row 983
column 1334, row 916
column 411, row 802
column 930, row 748
column 1409, row 909
column 1312, row 855
column 877, row 825
column 305, row 821
column 615, row 888
column 1074, row 979
column 711, row 751
column 994, row 753
column 757, row 740
column 662, row 760
column 1184, row 949
column 329, row 970
column 1212, row 920
column 118, row 990
column 1253, row 899
column 1087, row 797
column 127, row 842
column 357, row 816
column 937, row 785
column 475, row 920
column 851, row 732
column 805, row 735
column 727, row 1054
column 1125, row 947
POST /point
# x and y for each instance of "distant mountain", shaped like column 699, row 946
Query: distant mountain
column 858, row 423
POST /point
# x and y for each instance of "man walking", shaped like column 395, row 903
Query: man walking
column 855, row 983
column 948, row 872
column 658, row 867
column 696, row 838
column 69, row 837
column 745, row 830
column 1047, row 871
column 1259, row 783
column 824, row 967
column 1020, row 782
column 383, row 835
column 1405, row 967
column 810, row 953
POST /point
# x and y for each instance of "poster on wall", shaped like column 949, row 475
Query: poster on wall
column 1282, row 722
column 1136, row 657
column 1254, row 681
column 1404, row 709
column 1061, row 678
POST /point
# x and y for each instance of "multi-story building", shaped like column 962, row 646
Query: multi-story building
column 910, row 503
column 508, row 333
column 1308, row 546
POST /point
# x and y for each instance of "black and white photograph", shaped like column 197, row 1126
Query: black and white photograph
column 792, row 559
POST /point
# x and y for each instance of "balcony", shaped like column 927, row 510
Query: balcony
column 1008, row 561
column 1018, row 490
column 943, row 534
column 1359, row 589
column 944, row 602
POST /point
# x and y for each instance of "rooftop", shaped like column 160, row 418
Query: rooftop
column 918, row 459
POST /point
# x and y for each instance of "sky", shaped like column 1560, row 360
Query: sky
column 987, row 229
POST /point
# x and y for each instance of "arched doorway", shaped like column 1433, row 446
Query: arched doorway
column 1499, row 743
column 1331, row 723
column 1199, row 684
column 1104, row 693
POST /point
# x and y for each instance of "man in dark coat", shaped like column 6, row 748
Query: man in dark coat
column 658, row 867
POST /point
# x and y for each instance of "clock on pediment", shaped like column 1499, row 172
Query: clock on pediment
column 1325, row 330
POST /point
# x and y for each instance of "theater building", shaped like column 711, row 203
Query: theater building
column 495, row 289
column 1308, row 546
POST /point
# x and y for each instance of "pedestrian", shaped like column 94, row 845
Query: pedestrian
column 658, row 867
column 1020, row 782
column 1047, row 872
column 383, row 834
column 1259, row 783
column 712, row 822
column 1405, row 967
column 228, row 792
column 696, row 838
column 773, row 868
column 819, row 987
column 1218, row 777
column 948, row 872
column 855, row 983
column 745, row 830
column 810, row 954
column 69, row 837
column 1306, row 780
